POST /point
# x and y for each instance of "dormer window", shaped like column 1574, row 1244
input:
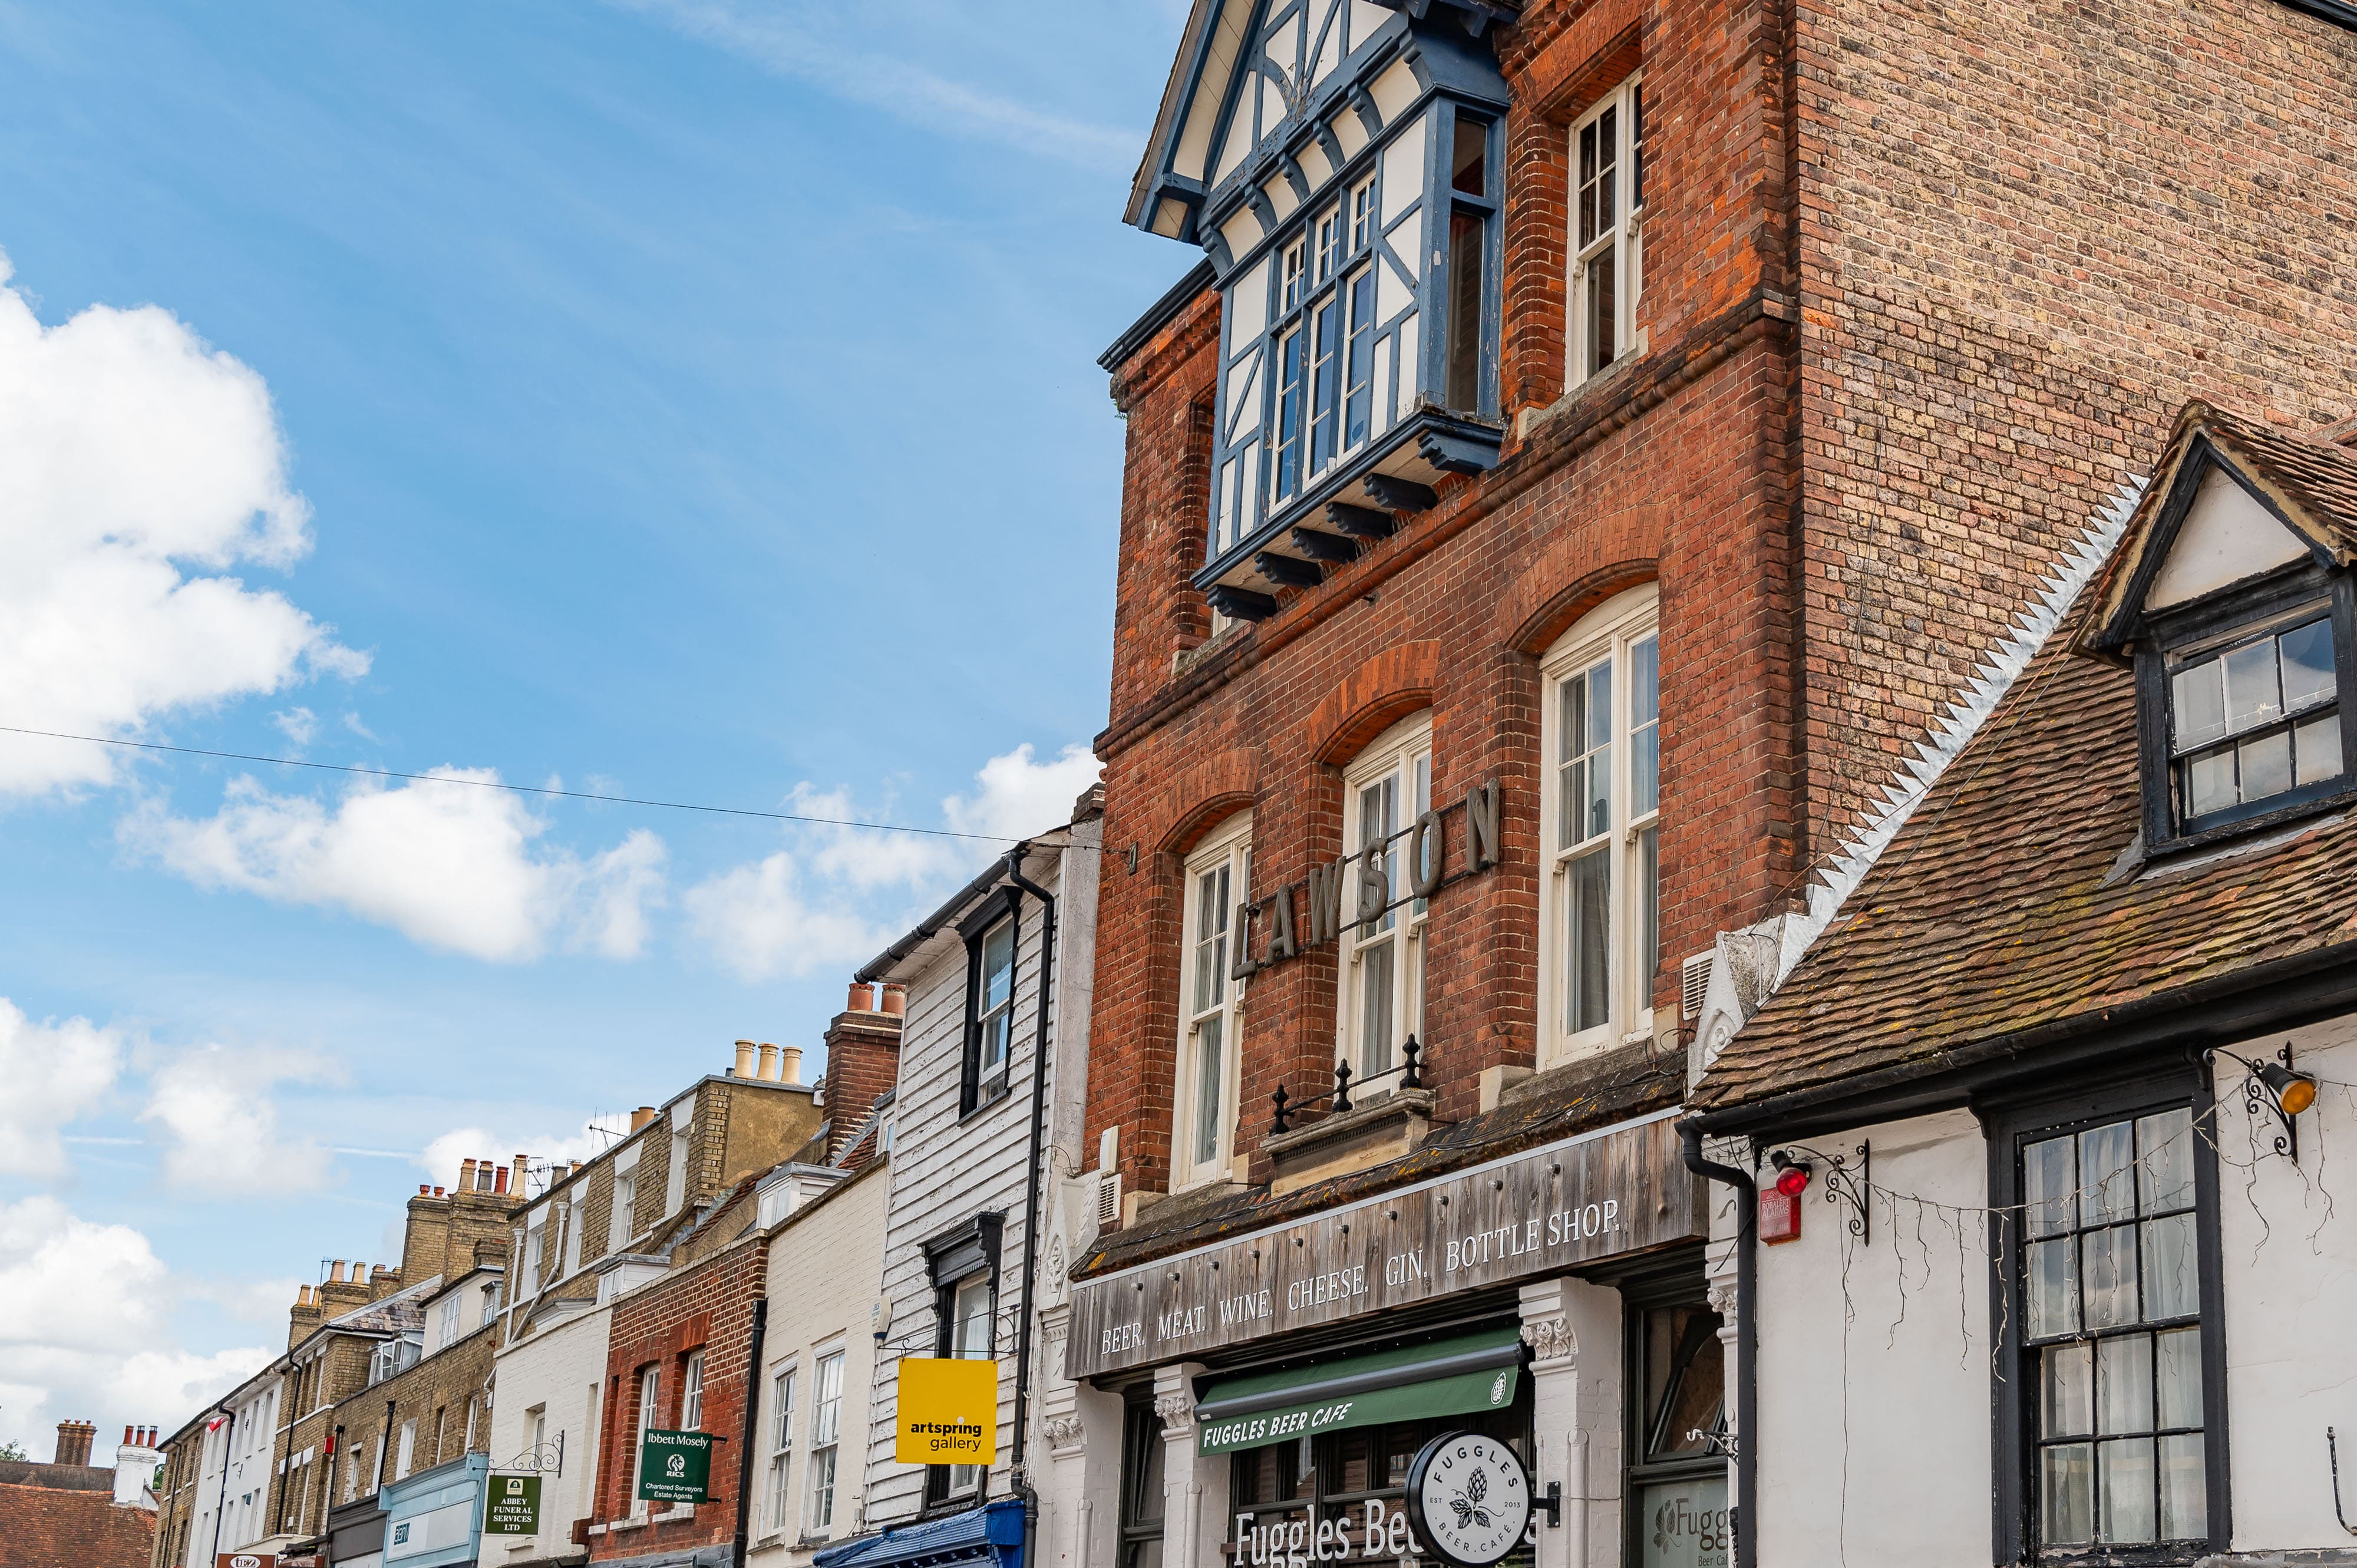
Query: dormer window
column 2232, row 599
column 2255, row 719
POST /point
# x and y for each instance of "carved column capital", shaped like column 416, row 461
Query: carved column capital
column 1177, row 1409
column 1550, row 1339
column 1065, row 1434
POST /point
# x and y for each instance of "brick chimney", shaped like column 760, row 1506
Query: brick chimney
column 863, row 1061
column 134, row 1466
column 74, row 1438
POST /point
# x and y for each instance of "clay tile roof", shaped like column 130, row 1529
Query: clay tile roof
column 2016, row 899
column 43, row 1527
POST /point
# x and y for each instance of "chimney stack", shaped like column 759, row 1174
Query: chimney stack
column 642, row 1116
column 896, row 998
column 744, row 1067
column 466, row 1176
column 74, row 1441
column 336, row 1273
column 863, row 1060
column 520, row 1167
column 789, row 1065
column 862, row 998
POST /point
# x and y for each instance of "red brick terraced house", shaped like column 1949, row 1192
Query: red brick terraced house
column 1610, row 458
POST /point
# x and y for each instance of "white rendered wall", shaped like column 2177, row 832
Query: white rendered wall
column 2291, row 1298
column 1874, row 1364
column 824, row 1266
column 563, row 1368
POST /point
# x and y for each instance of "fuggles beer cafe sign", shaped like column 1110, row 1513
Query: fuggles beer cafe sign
column 1267, row 933
column 1619, row 1189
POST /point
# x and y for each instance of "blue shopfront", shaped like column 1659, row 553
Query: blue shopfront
column 434, row 1517
column 988, row 1537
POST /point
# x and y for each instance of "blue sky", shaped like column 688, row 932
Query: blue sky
column 676, row 399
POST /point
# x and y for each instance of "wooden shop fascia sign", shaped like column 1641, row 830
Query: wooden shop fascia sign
column 1616, row 1190
column 1266, row 932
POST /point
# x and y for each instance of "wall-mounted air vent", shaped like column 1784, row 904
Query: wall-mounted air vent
column 1694, row 983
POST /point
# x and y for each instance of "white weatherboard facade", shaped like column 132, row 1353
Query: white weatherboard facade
column 951, row 1165
column 1875, row 1353
column 546, row 1417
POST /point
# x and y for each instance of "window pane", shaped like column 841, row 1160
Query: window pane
column 2069, row 1399
column 2252, row 696
column 1288, row 413
column 2128, row 1501
column 2210, row 781
column 2308, row 675
column 1683, row 1524
column 1573, row 804
column 1468, row 235
column 2266, row 765
column 2172, row 1272
column 1587, row 183
column 2053, row 1293
column 2184, row 1489
column 2066, row 1495
column 1210, row 1053
column 2107, row 1156
column 1359, row 376
column 1324, row 368
column 1598, row 805
column 1375, row 977
column 1603, row 306
column 2198, row 704
column 2180, row 1379
column 2124, row 1384
column 1470, row 163
column 2108, row 1275
column 2050, row 1171
column 2165, row 1161
column 1645, row 737
column 1649, row 889
column 1590, row 967
column 999, row 965
column 2317, row 747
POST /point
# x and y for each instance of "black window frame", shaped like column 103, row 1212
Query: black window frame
column 1003, row 907
column 2012, row 1122
column 1642, row 1294
column 1144, row 1442
column 951, row 1259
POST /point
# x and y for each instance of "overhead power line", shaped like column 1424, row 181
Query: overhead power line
column 511, row 789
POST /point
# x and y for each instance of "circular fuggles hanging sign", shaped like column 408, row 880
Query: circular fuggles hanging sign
column 1469, row 1498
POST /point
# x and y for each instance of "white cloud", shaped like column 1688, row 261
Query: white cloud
column 803, row 909
column 441, row 1158
column 448, row 865
column 85, row 1332
column 131, row 451
column 221, row 1125
column 889, row 80
column 54, row 1073
column 297, row 725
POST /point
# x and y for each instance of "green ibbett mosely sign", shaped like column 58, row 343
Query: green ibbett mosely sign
column 513, row 1505
column 675, row 1467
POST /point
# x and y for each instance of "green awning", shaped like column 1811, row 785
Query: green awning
column 1448, row 1377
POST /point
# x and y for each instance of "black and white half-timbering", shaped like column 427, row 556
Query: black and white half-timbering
column 2045, row 1125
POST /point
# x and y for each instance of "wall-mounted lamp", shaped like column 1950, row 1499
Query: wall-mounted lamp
column 2276, row 1085
column 1791, row 1174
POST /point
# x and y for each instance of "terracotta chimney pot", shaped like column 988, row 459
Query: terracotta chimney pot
column 499, row 1180
column 767, row 1072
column 861, row 1000
column 437, row 1192
column 642, row 1116
column 789, row 1065
column 896, row 998
column 744, row 1067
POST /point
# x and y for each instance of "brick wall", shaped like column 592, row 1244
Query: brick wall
column 706, row 1305
column 863, row 1061
column 1917, row 285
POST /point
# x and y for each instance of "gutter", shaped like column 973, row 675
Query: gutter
column 1747, row 1293
column 879, row 966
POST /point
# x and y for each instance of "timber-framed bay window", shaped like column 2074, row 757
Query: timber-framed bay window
column 1607, row 203
column 1599, row 921
column 1381, row 1000
column 1218, row 881
column 2112, row 1372
column 1356, row 237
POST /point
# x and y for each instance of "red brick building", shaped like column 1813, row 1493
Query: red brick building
column 1665, row 415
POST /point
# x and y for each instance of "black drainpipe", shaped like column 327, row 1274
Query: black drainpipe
column 1020, row 1470
column 752, row 1426
column 1746, row 1290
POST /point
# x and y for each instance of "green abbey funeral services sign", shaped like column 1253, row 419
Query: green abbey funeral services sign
column 513, row 1505
column 675, row 1467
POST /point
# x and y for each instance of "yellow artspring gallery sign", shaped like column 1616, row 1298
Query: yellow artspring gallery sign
column 949, row 1411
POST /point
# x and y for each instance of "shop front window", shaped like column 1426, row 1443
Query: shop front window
column 1677, row 1475
column 1312, row 1499
column 1141, row 1486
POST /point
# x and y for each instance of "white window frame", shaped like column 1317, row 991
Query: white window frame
column 691, row 1393
column 448, row 1329
column 1207, row 936
column 619, row 1206
column 1624, row 235
column 995, row 1019
column 406, row 1454
column 1402, row 757
column 649, row 1389
column 1608, row 632
column 682, row 1143
column 576, row 1211
column 783, row 1383
column 820, row 1482
column 973, row 1335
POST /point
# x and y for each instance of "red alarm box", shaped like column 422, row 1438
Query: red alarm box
column 1780, row 1216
